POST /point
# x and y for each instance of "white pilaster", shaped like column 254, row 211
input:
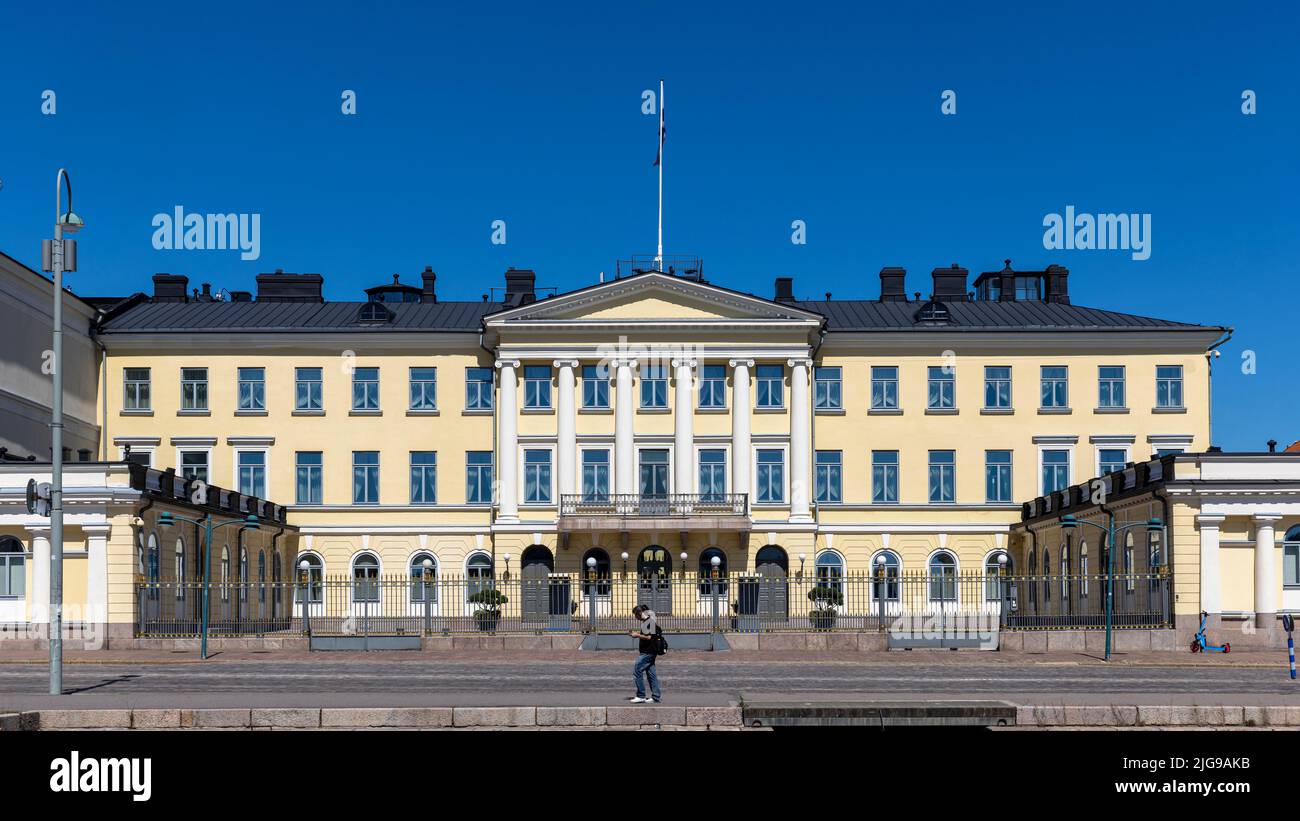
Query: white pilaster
column 1265, row 572
column 684, row 427
column 741, row 407
column 96, row 573
column 38, row 598
column 624, row 408
column 800, row 442
column 1211, row 580
column 508, row 442
column 566, row 437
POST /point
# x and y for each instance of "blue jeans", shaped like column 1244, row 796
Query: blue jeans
column 645, row 666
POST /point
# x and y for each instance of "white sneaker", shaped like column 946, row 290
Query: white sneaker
column 639, row 700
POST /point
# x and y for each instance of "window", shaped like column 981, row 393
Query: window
column 654, row 473
column 595, row 386
column 423, row 585
column 365, row 477
column 1083, row 569
column 252, row 389
column 713, row 581
column 478, row 575
column 1028, row 288
column 596, row 579
column 943, row 577
column 993, row 570
column 770, row 381
column 827, row 389
column 365, row 389
column 194, row 464
column 595, row 475
column 943, row 388
column 424, row 477
column 713, row 475
column 1169, row 386
column 997, row 476
column 886, row 575
column 1128, row 562
column 261, row 576
column 314, row 580
column 478, row 389
column 827, row 478
column 243, row 574
column 308, row 477
column 537, row 387
column 829, row 569
column 225, row 569
column 252, row 473
column 1111, row 460
column 307, row 389
column 713, row 386
column 13, row 569
column 141, row 456
column 365, row 578
column 478, row 477
column 194, row 389
column 884, row 388
column 537, row 477
column 135, row 389
column 1110, row 386
column 1055, row 386
column 1056, row 470
column 943, row 476
column 1291, row 558
column 654, row 386
column 770, row 476
column 884, row 477
column 424, row 389
column 997, row 387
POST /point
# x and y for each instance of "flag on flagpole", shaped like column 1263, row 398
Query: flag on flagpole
column 660, row 152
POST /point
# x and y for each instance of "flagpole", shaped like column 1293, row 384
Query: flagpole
column 659, row 257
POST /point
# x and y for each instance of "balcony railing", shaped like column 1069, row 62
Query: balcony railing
column 656, row 506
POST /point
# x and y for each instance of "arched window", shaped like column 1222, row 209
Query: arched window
column 772, row 555
column 943, row 577
column 420, row 584
column 713, row 580
column 1065, row 571
column 829, row 568
column 13, row 569
column 155, row 569
column 600, row 583
column 243, row 574
column 1047, row 574
column 1083, row 569
column 261, row 576
column 887, row 587
column 1033, row 583
column 179, row 568
column 993, row 569
column 1291, row 557
column 478, row 573
column 315, row 578
column 1128, row 562
column 225, row 573
column 365, row 578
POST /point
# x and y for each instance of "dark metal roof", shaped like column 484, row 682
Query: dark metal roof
column 870, row 315
column 327, row 317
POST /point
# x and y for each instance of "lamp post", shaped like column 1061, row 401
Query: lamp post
column 57, row 256
column 803, row 557
column 1004, row 589
column 166, row 519
column 880, row 590
column 591, row 594
column 304, row 573
column 427, row 566
column 1153, row 525
column 716, row 561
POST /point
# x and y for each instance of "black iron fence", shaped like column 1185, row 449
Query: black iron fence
column 567, row 602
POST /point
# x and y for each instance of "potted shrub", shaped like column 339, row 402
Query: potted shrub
column 826, row 600
column 488, row 615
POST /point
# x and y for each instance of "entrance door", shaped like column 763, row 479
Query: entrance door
column 654, row 567
column 537, row 565
column 773, row 593
column 654, row 482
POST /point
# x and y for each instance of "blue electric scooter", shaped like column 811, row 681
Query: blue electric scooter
column 1199, row 644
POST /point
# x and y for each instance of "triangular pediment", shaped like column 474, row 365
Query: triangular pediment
column 653, row 298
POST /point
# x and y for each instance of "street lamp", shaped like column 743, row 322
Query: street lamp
column 716, row 561
column 507, row 558
column 166, row 519
column 304, row 573
column 803, row 557
column 57, row 256
column 590, row 592
column 624, row 562
column 880, row 590
column 427, row 566
column 1069, row 523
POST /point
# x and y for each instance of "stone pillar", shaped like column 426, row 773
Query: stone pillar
column 96, row 573
column 1265, row 570
column 566, row 419
column 38, row 598
column 1211, row 579
column 508, row 442
column 624, row 409
column 684, row 427
column 800, row 442
column 741, row 408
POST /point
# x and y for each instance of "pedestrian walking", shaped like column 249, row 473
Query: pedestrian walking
column 651, row 644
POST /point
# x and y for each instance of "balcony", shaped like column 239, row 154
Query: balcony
column 638, row 512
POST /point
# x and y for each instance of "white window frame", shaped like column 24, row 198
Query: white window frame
column 784, row 447
column 207, row 456
column 522, row 472
column 266, row 467
column 1098, row 448
column 582, row 470
column 207, row 398
column 636, row 466
column 725, row 447
column 1069, row 468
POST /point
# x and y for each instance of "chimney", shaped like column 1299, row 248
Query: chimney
column 429, row 278
column 1058, row 284
column 950, row 284
column 1007, row 283
column 784, row 289
column 282, row 287
column 1272, row 446
column 170, row 288
column 207, row 292
column 893, row 285
column 520, row 285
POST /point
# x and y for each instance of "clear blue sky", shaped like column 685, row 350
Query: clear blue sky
column 531, row 113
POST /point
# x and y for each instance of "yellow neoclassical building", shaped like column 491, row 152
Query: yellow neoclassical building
column 651, row 422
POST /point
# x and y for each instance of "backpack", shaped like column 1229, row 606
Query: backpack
column 660, row 642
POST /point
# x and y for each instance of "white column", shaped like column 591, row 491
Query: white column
column 508, row 442
column 1265, row 570
column 624, row 407
column 566, row 437
column 800, row 442
column 38, row 598
column 740, row 410
column 1211, row 580
column 684, row 427
column 96, row 573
